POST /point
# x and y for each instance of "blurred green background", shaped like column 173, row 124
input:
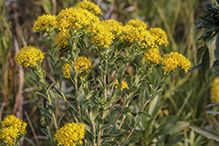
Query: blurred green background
column 184, row 97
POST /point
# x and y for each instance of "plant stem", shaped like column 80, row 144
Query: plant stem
column 146, row 102
column 130, row 96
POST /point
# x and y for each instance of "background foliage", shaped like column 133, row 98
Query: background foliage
column 183, row 99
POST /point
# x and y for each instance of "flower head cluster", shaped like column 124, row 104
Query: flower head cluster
column 11, row 128
column 124, row 85
column 152, row 55
column 70, row 134
column 83, row 61
column 159, row 35
column 74, row 19
column 28, row 56
column 215, row 90
column 114, row 26
column 61, row 39
column 66, row 69
column 80, row 62
column 100, row 34
column 135, row 31
column 45, row 23
column 175, row 60
column 89, row 6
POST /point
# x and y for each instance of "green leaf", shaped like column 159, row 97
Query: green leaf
column 145, row 114
column 173, row 127
column 133, row 139
column 213, row 48
column 106, row 144
column 117, row 96
column 45, row 132
column 33, row 102
column 200, row 52
column 205, row 64
column 41, row 95
column 205, row 133
column 93, row 113
column 212, row 112
column 60, row 118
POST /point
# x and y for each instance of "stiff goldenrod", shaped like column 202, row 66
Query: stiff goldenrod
column 44, row 23
column 135, row 31
column 159, row 35
column 71, row 134
column 123, row 86
column 81, row 61
column 100, row 34
column 175, row 60
column 11, row 128
column 75, row 19
column 61, row 39
column 87, row 5
column 29, row 56
column 152, row 55
column 215, row 90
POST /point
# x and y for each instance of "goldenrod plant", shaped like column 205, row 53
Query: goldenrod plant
column 11, row 130
column 103, row 88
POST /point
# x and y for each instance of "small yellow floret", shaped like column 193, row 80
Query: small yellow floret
column 89, row 6
column 215, row 90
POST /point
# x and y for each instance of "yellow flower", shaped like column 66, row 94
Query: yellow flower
column 160, row 36
column 152, row 55
column 45, row 23
column 60, row 38
column 89, row 6
column 117, row 84
column 114, row 26
column 135, row 31
column 70, row 134
column 100, row 34
column 75, row 19
column 174, row 60
column 215, row 90
column 11, row 128
column 81, row 61
column 123, row 85
column 28, row 56
column 66, row 69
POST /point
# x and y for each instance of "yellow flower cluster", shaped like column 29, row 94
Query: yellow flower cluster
column 11, row 128
column 175, row 60
column 61, row 39
column 45, row 23
column 135, row 31
column 66, row 69
column 152, row 55
column 100, row 34
column 74, row 19
column 28, row 56
column 81, row 61
column 71, row 134
column 114, row 26
column 124, row 85
column 88, row 6
column 160, row 36
column 215, row 90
